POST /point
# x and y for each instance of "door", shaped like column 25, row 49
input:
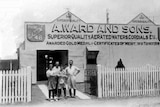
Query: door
column 45, row 57
column 91, row 72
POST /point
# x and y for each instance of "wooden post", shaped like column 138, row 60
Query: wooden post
column 4, row 90
column 16, row 85
column 151, row 80
column 7, row 86
column 29, row 77
column 112, row 82
column 99, row 81
column 19, row 85
column 12, row 87
column 25, row 88
column 22, row 85
column 115, row 84
column 105, row 81
column 116, row 79
column 102, row 79
column 157, row 80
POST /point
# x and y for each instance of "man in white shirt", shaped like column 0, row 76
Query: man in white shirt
column 57, row 69
column 72, row 71
column 52, row 81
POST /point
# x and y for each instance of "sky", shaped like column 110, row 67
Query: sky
column 13, row 14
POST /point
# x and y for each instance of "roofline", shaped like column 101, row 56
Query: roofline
column 85, row 23
column 57, row 18
column 144, row 15
column 91, row 23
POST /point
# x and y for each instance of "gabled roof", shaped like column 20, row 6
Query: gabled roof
column 68, row 17
column 141, row 19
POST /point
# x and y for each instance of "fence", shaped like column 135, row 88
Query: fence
column 143, row 81
column 15, row 86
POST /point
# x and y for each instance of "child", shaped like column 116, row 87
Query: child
column 62, row 82
column 52, row 77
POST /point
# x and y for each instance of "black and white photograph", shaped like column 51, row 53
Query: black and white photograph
column 80, row 53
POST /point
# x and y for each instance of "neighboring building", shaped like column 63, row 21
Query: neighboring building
column 87, row 44
column 9, row 64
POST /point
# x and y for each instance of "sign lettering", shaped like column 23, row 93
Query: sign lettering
column 94, row 34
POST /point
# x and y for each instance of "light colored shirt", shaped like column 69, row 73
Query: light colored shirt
column 53, row 72
column 56, row 70
column 72, row 71
column 49, row 72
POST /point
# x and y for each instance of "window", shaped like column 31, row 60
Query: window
column 92, row 57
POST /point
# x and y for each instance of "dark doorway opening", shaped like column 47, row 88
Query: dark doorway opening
column 44, row 57
column 91, row 71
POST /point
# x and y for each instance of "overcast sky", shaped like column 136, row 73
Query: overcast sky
column 13, row 13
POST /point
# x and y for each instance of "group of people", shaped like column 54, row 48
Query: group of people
column 60, row 78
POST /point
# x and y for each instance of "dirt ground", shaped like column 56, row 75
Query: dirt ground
column 39, row 100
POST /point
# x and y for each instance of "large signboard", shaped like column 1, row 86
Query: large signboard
column 70, row 30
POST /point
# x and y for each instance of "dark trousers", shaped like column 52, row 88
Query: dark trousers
column 56, row 90
column 59, row 92
column 74, row 92
column 51, row 92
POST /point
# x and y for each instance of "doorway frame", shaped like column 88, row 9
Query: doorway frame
column 47, row 51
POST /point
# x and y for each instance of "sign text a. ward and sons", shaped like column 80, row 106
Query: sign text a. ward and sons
column 101, row 32
column 100, row 28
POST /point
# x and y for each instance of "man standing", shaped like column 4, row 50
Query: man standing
column 57, row 69
column 72, row 71
column 51, row 74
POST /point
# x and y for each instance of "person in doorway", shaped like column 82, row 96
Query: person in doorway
column 56, row 70
column 72, row 72
column 51, row 75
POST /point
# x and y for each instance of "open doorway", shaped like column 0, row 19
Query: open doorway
column 44, row 57
column 91, row 70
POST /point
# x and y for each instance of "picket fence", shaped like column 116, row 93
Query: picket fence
column 15, row 86
column 142, row 81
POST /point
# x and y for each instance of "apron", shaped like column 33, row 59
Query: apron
column 52, row 82
column 62, row 82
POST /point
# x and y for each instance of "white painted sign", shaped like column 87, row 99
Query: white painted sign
column 70, row 30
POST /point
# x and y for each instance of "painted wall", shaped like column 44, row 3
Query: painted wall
column 132, row 56
column 28, row 58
